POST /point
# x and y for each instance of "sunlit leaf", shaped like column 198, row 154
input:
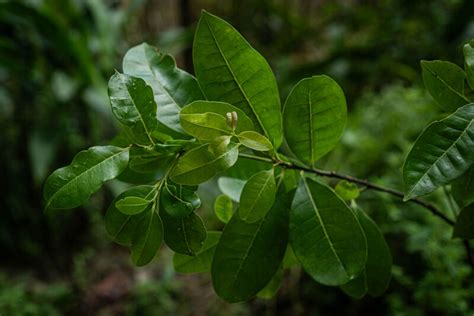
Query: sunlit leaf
column 223, row 208
column 346, row 190
column 232, row 187
column 205, row 126
column 255, row 141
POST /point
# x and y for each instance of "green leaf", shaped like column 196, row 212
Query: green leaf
column 120, row 226
column 173, row 88
column 199, row 164
column 257, row 196
column 271, row 289
column 314, row 117
column 223, row 208
column 469, row 62
column 464, row 227
column 463, row 188
column 205, row 126
column 445, row 83
column 375, row 278
column 230, row 70
column 131, row 205
column 221, row 108
column 151, row 165
column 184, row 235
column 255, row 141
column 146, row 238
column 133, row 105
column 248, row 255
column 346, row 190
column 201, row 262
column 70, row 186
column 232, row 187
column 325, row 234
column 441, row 153
column 179, row 201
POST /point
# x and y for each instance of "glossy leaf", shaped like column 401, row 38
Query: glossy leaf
column 230, row 70
column 146, row 238
column 232, row 187
column 178, row 200
column 463, row 188
column 133, row 105
column 244, row 123
column 464, row 227
column 314, row 117
column 205, row 126
column 201, row 262
column 248, row 255
column 173, row 88
column 70, row 186
column 199, row 164
column 441, row 153
column 346, row 190
column 255, row 141
column 184, row 235
column 469, row 62
column 223, row 208
column 120, row 226
column 131, row 205
column 325, row 234
column 375, row 278
column 445, row 83
column 257, row 196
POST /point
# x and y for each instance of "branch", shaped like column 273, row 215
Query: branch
column 369, row 185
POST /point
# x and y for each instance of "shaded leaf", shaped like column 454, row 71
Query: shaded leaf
column 445, row 83
column 257, row 196
column 441, row 153
column 325, row 234
column 178, row 200
column 131, row 205
column 463, row 188
column 201, row 262
column 230, row 70
column 271, row 289
column 146, row 238
column 223, row 208
column 70, row 186
column 314, row 117
column 248, row 255
column 469, row 62
column 184, row 235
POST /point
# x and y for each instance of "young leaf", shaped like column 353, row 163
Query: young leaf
column 146, row 238
column 184, row 235
column 325, row 234
column 220, row 108
column 132, row 205
column 173, row 88
column 223, row 208
column 463, row 188
column 201, row 262
column 248, row 255
column 205, row 126
column 230, row 70
column 464, row 227
column 232, row 187
column 178, row 200
column 133, row 105
column 70, row 186
column 314, row 117
column 441, row 153
column 445, row 83
column 120, row 226
column 346, row 190
column 255, row 141
column 257, row 196
column 199, row 164
column 469, row 62
column 375, row 278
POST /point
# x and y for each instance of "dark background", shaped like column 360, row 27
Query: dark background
column 55, row 59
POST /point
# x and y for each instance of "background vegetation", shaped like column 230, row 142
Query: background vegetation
column 55, row 59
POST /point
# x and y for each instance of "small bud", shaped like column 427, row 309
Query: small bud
column 232, row 120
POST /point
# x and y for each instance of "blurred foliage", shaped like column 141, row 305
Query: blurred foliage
column 55, row 57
